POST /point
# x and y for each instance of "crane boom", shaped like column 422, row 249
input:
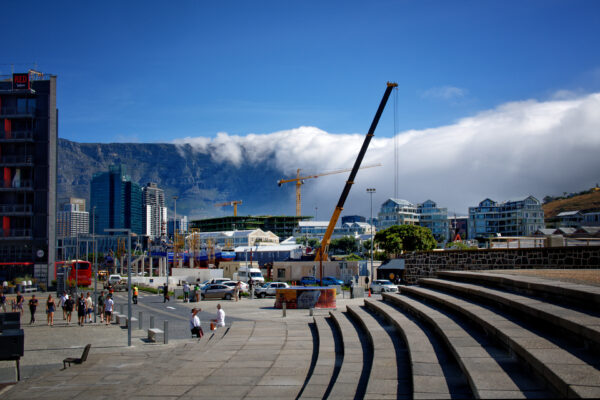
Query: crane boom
column 230, row 203
column 322, row 253
column 300, row 181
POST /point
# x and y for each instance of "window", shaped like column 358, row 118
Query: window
column 280, row 273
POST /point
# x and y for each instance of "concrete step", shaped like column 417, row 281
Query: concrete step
column 347, row 384
column 481, row 363
column 383, row 378
column 322, row 376
column 569, row 375
column 560, row 292
column 428, row 378
column 585, row 326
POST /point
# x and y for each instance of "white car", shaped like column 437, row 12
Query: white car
column 383, row 285
column 269, row 289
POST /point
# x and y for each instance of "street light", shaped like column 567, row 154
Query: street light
column 128, row 231
column 371, row 191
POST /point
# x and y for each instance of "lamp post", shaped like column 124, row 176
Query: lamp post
column 128, row 231
column 371, row 191
column 174, row 240
column 95, row 246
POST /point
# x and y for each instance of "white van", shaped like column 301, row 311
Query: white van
column 244, row 274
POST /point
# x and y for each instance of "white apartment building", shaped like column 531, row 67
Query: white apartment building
column 72, row 219
column 155, row 212
column 397, row 212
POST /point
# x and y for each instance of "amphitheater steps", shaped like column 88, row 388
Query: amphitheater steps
column 389, row 377
column 586, row 297
column 353, row 376
column 491, row 372
column 583, row 325
column 567, row 374
column 323, row 375
column 434, row 374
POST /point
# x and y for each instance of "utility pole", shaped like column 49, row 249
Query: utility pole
column 371, row 191
column 128, row 231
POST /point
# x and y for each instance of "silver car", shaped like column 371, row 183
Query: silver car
column 217, row 291
column 269, row 289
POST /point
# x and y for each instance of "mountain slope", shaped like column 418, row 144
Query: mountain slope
column 196, row 178
column 579, row 202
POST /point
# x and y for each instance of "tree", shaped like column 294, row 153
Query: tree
column 344, row 245
column 405, row 237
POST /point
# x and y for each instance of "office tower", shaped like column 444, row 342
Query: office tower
column 72, row 219
column 117, row 201
column 155, row 221
column 28, row 142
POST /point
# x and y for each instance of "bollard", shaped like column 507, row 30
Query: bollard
column 151, row 321
column 120, row 308
column 252, row 293
column 284, row 308
column 166, row 331
column 311, row 311
column 140, row 315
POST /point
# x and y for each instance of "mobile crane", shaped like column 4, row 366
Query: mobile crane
column 322, row 251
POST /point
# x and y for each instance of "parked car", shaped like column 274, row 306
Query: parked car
column 245, row 287
column 330, row 280
column 269, row 289
column 383, row 285
column 214, row 281
column 217, row 291
column 308, row 280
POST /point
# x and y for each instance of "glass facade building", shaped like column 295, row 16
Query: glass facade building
column 118, row 201
column 513, row 218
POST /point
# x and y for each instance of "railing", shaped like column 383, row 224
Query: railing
column 16, row 184
column 15, row 208
column 17, row 135
column 14, row 112
column 16, row 160
column 12, row 233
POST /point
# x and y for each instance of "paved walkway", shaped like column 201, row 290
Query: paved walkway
column 172, row 370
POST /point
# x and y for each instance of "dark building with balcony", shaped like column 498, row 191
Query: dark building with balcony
column 28, row 145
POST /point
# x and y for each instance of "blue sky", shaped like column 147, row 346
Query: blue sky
column 150, row 71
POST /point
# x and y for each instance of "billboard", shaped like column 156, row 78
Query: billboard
column 21, row 81
column 305, row 297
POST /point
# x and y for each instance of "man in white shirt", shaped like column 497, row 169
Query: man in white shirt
column 63, row 300
column 186, row 293
column 220, row 321
column 108, row 307
column 195, row 325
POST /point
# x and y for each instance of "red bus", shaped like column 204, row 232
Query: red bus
column 83, row 273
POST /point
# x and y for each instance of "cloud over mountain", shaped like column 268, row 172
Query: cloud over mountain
column 516, row 149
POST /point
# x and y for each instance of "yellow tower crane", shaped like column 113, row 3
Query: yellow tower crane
column 230, row 203
column 300, row 181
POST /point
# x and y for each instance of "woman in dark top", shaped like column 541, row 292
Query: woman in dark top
column 50, row 307
column 81, row 305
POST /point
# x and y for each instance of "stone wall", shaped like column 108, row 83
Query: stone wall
column 426, row 264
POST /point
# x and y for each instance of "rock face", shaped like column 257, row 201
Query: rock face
column 197, row 179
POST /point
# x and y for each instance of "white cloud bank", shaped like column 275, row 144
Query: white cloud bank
column 508, row 153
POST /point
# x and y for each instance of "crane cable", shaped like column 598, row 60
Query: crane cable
column 395, row 134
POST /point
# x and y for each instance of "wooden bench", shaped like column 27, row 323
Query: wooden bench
column 152, row 332
column 81, row 360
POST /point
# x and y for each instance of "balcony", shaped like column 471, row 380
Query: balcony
column 17, row 136
column 22, row 184
column 18, row 233
column 16, row 161
column 16, row 209
column 11, row 112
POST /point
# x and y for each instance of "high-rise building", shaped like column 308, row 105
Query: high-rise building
column 155, row 218
column 513, row 218
column 72, row 219
column 28, row 143
column 117, row 201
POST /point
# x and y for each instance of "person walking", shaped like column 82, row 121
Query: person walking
column 89, row 307
column 134, row 297
column 220, row 320
column 251, row 288
column 101, row 306
column 166, row 293
column 50, row 307
column 62, row 302
column 19, row 303
column 195, row 325
column 81, row 306
column 108, row 308
column 2, row 301
column 33, row 303
column 236, row 291
column 186, row 293
column 69, row 305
